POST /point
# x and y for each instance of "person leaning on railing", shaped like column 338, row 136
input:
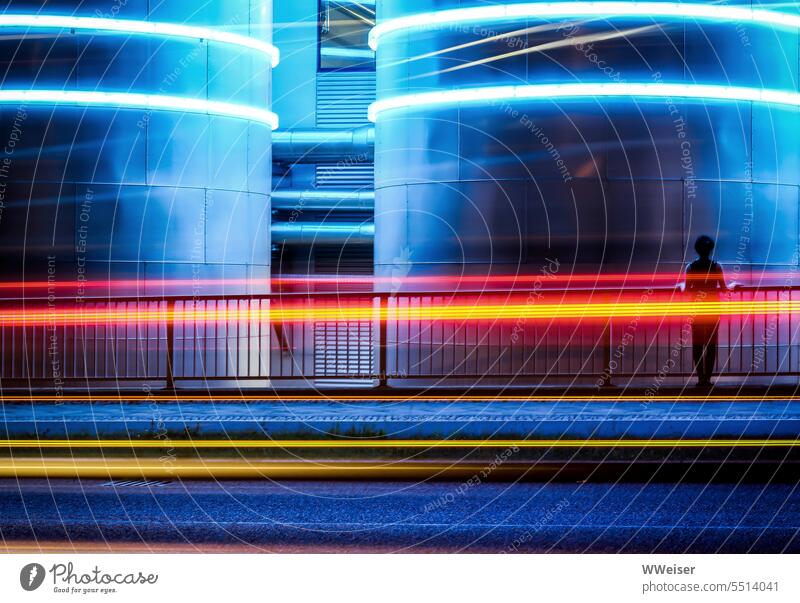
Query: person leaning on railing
column 704, row 282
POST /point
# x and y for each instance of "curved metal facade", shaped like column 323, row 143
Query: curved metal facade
column 137, row 195
column 601, row 185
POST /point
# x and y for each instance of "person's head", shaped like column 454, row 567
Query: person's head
column 704, row 245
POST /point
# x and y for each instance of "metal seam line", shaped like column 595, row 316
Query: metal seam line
column 135, row 27
column 138, row 101
column 605, row 10
column 279, row 444
column 555, row 92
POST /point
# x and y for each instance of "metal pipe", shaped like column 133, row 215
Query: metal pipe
column 323, row 233
column 319, row 145
column 323, row 200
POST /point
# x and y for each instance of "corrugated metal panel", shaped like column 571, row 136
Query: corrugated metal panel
column 343, row 98
column 356, row 260
column 360, row 176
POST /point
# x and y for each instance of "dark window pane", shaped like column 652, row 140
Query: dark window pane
column 344, row 28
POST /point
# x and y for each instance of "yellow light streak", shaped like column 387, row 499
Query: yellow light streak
column 239, row 469
column 97, row 468
column 425, row 444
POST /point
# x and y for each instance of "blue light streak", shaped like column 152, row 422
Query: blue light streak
column 579, row 91
column 128, row 100
column 133, row 27
column 454, row 18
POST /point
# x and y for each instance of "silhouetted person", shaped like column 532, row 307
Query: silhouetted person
column 704, row 280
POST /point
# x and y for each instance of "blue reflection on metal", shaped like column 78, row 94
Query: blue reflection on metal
column 584, row 90
column 138, row 101
column 129, row 26
column 604, row 10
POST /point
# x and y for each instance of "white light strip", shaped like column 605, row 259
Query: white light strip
column 130, row 100
column 557, row 92
column 563, row 10
column 347, row 53
column 139, row 27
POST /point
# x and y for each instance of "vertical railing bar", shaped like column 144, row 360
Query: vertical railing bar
column 249, row 340
column 741, row 340
column 778, row 325
column 383, row 344
column 607, row 381
column 170, row 380
column 258, row 335
column 752, row 344
column 791, row 332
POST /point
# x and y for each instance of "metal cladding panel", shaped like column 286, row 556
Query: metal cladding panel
column 130, row 9
column 614, row 184
column 434, row 139
column 177, row 150
column 468, row 212
column 49, row 62
column 241, row 227
column 776, row 156
column 138, row 223
column 752, row 222
column 39, row 216
column 126, row 191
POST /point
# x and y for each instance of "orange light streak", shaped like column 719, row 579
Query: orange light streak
column 276, row 312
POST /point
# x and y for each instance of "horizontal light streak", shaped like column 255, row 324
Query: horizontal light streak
column 578, row 41
column 132, row 100
column 573, row 91
column 453, row 18
column 130, row 26
column 777, row 279
column 333, row 52
column 488, row 312
column 266, row 469
column 405, row 443
column 230, row 469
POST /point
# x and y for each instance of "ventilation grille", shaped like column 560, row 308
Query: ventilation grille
column 359, row 176
column 343, row 349
column 343, row 98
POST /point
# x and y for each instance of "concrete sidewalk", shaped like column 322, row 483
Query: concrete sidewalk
column 474, row 419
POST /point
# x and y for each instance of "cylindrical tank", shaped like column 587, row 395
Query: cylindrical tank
column 157, row 179
column 663, row 132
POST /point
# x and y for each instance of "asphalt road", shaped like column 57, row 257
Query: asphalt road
column 299, row 516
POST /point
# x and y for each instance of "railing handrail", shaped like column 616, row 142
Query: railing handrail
column 176, row 337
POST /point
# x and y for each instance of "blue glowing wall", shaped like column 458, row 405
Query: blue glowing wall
column 611, row 184
column 166, row 179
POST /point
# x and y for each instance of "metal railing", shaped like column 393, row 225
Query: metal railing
column 216, row 339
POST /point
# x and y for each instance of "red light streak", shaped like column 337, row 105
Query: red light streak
column 477, row 282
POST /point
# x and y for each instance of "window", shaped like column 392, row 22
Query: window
column 344, row 28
